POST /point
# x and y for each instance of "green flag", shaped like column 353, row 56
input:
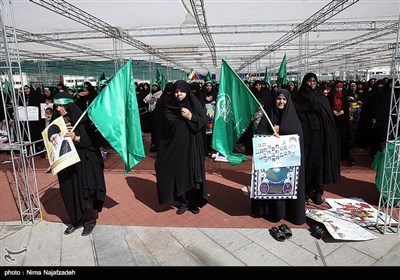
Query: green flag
column 102, row 77
column 208, row 77
column 6, row 88
column 115, row 114
column 235, row 106
column 101, row 80
column 267, row 77
column 282, row 74
column 160, row 79
column 387, row 182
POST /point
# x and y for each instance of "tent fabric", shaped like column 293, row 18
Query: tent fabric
column 240, row 30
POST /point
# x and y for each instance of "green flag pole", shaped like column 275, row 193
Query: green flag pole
column 235, row 106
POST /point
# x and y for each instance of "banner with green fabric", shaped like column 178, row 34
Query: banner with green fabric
column 160, row 79
column 381, row 171
column 235, row 106
column 115, row 114
column 267, row 77
column 282, row 73
column 208, row 77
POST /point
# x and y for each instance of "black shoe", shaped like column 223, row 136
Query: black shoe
column 153, row 148
column 71, row 228
column 286, row 230
column 349, row 162
column 181, row 210
column 195, row 210
column 316, row 198
column 86, row 231
column 317, row 231
column 277, row 234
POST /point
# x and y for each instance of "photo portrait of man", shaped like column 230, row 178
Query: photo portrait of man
column 61, row 145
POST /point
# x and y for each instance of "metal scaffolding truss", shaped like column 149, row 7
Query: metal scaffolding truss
column 205, row 43
column 328, row 11
column 259, row 28
column 200, row 15
column 390, row 191
column 377, row 33
column 23, row 178
column 74, row 13
column 24, row 36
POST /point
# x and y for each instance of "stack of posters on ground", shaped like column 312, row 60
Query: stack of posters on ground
column 347, row 218
column 339, row 228
column 358, row 211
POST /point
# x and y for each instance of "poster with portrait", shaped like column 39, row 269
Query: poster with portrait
column 61, row 151
column 210, row 109
column 270, row 151
column 276, row 164
column 43, row 107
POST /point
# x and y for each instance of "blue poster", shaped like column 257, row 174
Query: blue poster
column 274, row 183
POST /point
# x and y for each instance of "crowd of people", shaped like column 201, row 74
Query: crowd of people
column 331, row 118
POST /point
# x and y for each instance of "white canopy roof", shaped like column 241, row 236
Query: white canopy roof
column 249, row 35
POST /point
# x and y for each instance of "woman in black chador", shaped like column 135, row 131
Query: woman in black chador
column 82, row 185
column 179, row 165
column 285, row 121
column 34, row 98
column 321, row 145
column 341, row 116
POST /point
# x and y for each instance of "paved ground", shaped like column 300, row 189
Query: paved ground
column 134, row 231
column 176, row 246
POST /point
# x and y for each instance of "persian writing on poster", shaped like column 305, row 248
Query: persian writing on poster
column 271, row 152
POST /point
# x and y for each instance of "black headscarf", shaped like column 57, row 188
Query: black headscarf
column 183, row 86
column 306, row 77
column 167, row 95
column 195, row 87
column 289, row 122
column 287, row 119
column 73, row 110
